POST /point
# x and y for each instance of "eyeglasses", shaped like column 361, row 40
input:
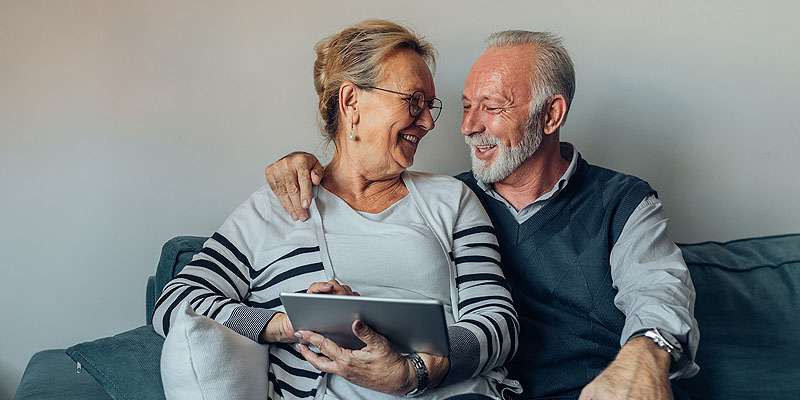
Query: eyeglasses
column 417, row 103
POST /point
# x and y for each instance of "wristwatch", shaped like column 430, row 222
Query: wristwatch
column 665, row 342
column 422, row 374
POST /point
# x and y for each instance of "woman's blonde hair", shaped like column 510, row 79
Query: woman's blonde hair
column 355, row 54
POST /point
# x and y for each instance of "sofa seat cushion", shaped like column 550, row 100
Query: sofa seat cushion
column 748, row 303
column 127, row 366
column 52, row 375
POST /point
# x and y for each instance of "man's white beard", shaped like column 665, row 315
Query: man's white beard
column 508, row 159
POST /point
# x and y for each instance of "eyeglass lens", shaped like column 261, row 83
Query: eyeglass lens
column 416, row 105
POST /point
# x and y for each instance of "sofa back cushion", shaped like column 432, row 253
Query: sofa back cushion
column 748, row 310
column 175, row 254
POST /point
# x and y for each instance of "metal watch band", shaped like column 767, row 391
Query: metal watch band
column 422, row 375
column 664, row 342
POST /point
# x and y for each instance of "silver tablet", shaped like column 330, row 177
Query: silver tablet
column 410, row 325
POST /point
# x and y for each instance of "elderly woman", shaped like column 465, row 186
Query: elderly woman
column 383, row 230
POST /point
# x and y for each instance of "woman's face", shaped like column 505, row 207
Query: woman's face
column 387, row 134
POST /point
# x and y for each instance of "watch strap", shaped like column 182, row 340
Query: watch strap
column 421, row 371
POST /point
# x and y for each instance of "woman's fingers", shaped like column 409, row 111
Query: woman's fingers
column 369, row 337
column 321, row 363
column 320, row 288
column 331, row 287
column 337, row 287
column 328, row 347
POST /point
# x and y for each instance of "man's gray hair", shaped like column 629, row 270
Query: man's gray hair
column 553, row 68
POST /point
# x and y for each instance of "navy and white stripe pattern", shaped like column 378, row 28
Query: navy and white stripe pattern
column 260, row 252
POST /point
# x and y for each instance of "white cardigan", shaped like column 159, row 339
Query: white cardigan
column 260, row 252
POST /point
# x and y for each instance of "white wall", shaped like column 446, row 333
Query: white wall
column 123, row 124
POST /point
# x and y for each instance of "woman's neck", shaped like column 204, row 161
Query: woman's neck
column 371, row 194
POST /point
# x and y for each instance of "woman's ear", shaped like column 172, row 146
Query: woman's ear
column 348, row 101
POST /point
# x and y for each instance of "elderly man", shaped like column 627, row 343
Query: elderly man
column 605, row 299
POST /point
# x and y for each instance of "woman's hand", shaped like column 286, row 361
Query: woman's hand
column 376, row 366
column 279, row 330
column 331, row 287
column 291, row 179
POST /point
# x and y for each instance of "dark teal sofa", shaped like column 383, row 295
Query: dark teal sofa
column 748, row 308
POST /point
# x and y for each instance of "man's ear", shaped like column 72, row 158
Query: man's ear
column 348, row 101
column 555, row 113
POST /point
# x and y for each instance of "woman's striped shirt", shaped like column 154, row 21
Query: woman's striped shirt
column 260, row 252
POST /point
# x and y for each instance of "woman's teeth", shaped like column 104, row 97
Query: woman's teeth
column 410, row 138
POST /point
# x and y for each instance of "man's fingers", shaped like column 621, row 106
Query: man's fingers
column 321, row 363
column 306, row 191
column 292, row 192
column 279, row 191
column 317, row 172
column 269, row 177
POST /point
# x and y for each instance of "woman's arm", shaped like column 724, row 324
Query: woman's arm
column 485, row 335
column 218, row 278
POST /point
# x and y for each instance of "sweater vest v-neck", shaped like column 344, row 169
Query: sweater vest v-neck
column 557, row 263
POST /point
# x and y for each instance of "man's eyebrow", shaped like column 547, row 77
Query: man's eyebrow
column 484, row 98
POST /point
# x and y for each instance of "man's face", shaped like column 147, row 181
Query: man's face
column 497, row 122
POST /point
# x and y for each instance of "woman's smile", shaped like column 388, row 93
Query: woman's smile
column 412, row 140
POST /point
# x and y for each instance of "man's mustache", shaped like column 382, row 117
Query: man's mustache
column 481, row 139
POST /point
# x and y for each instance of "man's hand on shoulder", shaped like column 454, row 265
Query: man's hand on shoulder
column 291, row 179
column 640, row 371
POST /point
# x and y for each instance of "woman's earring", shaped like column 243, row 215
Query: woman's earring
column 352, row 134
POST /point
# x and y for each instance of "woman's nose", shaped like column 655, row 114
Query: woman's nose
column 425, row 119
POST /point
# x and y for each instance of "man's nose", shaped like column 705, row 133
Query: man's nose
column 471, row 123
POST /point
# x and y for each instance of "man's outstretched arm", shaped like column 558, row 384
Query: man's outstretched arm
column 292, row 178
column 655, row 291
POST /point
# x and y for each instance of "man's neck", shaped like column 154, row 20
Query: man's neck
column 536, row 176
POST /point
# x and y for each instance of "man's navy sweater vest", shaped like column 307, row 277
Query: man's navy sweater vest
column 557, row 263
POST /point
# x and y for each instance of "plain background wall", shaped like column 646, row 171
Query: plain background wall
column 124, row 123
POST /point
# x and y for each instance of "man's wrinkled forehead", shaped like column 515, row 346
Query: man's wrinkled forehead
column 500, row 69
